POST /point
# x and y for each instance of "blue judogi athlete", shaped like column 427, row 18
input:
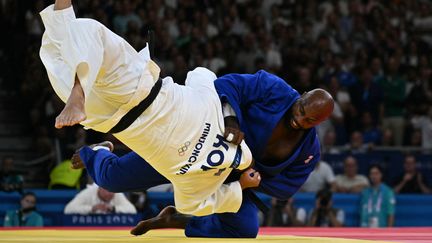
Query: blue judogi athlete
column 279, row 127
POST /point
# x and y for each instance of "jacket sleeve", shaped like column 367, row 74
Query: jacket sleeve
column 71, row 47
column 262, row 89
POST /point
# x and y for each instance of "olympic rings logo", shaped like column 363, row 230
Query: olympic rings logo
column 182, row 150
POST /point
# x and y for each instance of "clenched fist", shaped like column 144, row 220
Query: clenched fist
column 250, row 178
column 233, row 134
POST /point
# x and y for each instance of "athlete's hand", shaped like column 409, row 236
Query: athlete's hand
column 250, row 178
column 77, row 163
column 233, row 134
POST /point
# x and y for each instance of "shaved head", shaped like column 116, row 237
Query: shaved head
column 321, row 101
column 311, row 109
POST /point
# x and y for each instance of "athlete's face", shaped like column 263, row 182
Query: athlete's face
column 305, row 114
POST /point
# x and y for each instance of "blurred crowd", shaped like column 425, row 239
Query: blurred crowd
column 372, row 56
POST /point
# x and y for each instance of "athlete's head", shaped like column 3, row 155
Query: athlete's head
column 311, row 109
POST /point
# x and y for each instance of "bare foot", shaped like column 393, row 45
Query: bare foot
column 77, row 163
column 73, row 112
column 71, row 115
column 160, row 221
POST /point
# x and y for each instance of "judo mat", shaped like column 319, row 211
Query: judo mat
column 266, row 235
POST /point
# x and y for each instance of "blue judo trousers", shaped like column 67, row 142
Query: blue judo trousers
column 260, row 101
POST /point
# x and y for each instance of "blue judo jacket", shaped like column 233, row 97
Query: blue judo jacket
column 260, row 101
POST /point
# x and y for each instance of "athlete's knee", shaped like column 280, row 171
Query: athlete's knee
column 107, row 176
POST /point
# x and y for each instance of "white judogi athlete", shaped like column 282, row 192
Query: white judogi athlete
column 180, row 134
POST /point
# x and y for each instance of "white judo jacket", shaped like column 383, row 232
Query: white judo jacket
column 180, row 134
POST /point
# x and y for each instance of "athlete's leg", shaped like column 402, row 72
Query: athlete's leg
column 72, row 53
column 167, row 218
column 118, row 174
column 73, row 112
column 243, row 224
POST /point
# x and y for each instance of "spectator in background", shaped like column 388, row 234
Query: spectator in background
column 321, row 36
column 376, row 69
column 367, row 95
column 419, row 98
column 324, row 215
column 328, row 145
column 411, row 181
column 371, row 133
column 350, row 181
column 305, row 83
column 424, row 124
column 271, row 54
column 126, row 14
column 26, row 215
column 346, row 78
column 283, row 213
column 415, row 139
column 9, row 179
column 342, row 122
column 377, row 206
column 336, row 120
column 96, row 200
column 356, row 144
column 393, row 85
column 321, row 177
column 387, row 138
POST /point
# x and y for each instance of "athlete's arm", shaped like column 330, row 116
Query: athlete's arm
column 233, row 133
column 263, row 89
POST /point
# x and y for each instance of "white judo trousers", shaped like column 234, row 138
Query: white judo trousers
column 180, row 134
